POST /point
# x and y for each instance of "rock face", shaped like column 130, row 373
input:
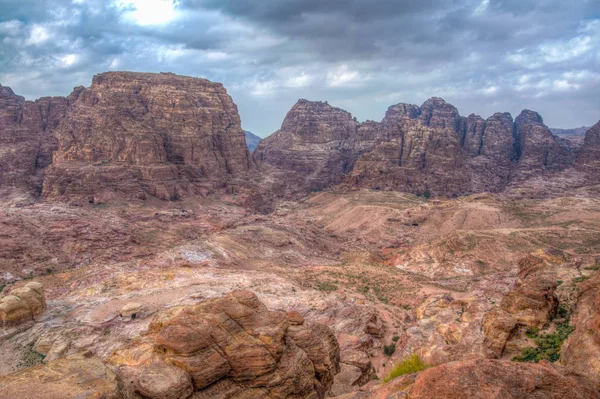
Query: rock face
column 531, row 303
column 26, row 138
column 581, row 352
column 22, row 304
column 536, row 147
column 487, row 379
column 314, row 142
column 78, row 376
column 412, row 149
column 589, row 159
column 139, row 133
column 228, row 346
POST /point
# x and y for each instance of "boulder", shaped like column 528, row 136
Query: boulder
column 22, row 304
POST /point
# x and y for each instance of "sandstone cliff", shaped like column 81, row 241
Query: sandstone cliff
column 412, row 149
column 314, row 143
column 26, row 138
column 141, row 133
column 589, row 159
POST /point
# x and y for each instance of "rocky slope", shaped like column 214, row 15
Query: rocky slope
column 147, row 134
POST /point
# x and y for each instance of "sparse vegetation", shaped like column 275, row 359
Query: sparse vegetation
column 30, row 358
column 548, row 345
column 326, row 286
column 581, row 279
column 389, row 350
column 532, row 332
column 409, row 365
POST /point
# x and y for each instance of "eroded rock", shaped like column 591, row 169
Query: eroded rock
column 22, row 304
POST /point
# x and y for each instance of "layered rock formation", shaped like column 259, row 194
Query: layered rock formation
column 485, row 379
column 26, row 138
column 531, row 303
column 140, row 133
column 581, row 352
column 412, row 149
column 22, row 305
column 314, row 143
column 589, row 159
column 78, row 376
column 226, row 346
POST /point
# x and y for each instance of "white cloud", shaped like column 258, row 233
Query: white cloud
column 343, row 76
column 148, row 12
column 38, row 35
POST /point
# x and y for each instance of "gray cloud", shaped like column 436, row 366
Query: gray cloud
column 483, row 56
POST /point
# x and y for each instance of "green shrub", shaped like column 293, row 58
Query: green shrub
column 562, row 312
column 409, row 365
column 532, row 332
column 427, row 194
column 389, row 350
column 327, row 286
column 548, row 345
column 396, row 338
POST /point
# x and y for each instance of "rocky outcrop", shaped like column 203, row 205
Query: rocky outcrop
column 22, row 304
column 412, row 149
column 581, row 352
column 537, row 149
column 531, row 303
column 485, row 379
column 26, row 138
column 78, row 376
column 589, row 159
column 314, row 143
column 141, row 134
column 227, row 346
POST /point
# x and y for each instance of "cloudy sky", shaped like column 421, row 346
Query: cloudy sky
column 361, row 55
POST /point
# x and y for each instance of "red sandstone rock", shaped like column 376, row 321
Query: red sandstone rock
column 581, row 352
column 140, row 133
column 228, row 346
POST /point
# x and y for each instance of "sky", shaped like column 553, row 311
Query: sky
column 483, row 56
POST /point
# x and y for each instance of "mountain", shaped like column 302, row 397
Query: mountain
column 578, row 131
column 413, row 149
column 138, row 134
column 252, row 140
column 145, row 253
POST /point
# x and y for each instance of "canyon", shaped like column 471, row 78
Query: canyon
column 145, row 252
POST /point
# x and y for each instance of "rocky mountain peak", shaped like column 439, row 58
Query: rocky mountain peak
column 437, row 113
column 529, row 117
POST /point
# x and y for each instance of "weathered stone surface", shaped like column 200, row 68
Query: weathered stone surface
column 537, row 149
column 531, row 303
column 413, row 149
column 140, row 133
column 232, row 345
column 314, row 142
column 26, row 138
column 22, row 304
column 589, row 159
column 581, row 352
column 78, row 376
column 484, row 379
